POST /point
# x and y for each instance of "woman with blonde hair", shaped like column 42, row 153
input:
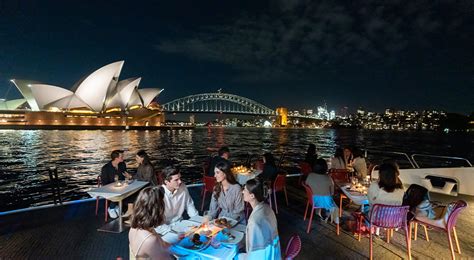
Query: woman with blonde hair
column 145, row 243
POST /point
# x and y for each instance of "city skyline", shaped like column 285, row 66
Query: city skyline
column 296, row 54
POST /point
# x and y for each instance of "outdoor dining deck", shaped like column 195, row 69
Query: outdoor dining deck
column 70, row 231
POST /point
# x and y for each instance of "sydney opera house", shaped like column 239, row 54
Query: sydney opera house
column 98, row 101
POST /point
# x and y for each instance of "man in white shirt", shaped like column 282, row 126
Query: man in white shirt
column 177, row 199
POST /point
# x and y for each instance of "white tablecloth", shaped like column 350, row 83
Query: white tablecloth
column 242, row 178
column 117, row 193
column 356, row 197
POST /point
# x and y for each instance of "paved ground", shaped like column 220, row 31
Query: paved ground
column 70, row 232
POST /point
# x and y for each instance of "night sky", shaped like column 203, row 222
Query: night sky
column 373, row 54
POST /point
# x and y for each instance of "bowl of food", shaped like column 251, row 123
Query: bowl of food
column 195, row 241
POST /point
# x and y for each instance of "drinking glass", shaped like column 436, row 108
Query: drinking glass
column 206, row 217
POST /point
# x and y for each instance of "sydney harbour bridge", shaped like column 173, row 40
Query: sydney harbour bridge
column 224, row 103
column 217, row 103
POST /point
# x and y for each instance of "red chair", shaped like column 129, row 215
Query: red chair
column 99, row 184
column 293, row 248
column 305, row 169
column 340, row 176
column 279, row 185
column 209, row 183
column 259, row 165
column 159, row 177
column 454, row 208
column 388, row 217
column 205, row 166
column 309, row 195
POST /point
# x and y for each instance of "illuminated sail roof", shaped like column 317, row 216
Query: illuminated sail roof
column 99, row 91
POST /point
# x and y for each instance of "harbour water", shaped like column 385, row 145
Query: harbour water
column 25, row 155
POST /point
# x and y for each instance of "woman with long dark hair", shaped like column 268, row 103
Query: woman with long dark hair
column 389, row 189
column 226, row 200
column 145, row 243
column 262, row 240
column 311, row 155
column 145, row 171
column 270, row 169
column 338, row 162
column 359, row 164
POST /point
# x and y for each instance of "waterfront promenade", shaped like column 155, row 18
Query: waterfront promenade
column 70, row 232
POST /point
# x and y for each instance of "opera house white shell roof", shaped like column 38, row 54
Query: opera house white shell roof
column 98, row 92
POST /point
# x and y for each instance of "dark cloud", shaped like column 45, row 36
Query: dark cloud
column 310, row 35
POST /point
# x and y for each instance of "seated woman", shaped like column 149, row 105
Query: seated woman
column 145, row 171
column 348, row 156
column 311, row 155
column 227, row 195
column 270, row 170
column 359, row 164
column 262, row 240
column 323, row 188
column 145, row 243
column 389, row 189
column 421, row 208
column 338, row 162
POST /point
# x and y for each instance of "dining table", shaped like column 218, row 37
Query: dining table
column 243, row 174
column 116, row 192
column 213, row 250
column 356, row 195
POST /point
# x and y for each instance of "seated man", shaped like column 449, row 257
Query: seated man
column 177, row 199
column 223, row 155
column 116, row 167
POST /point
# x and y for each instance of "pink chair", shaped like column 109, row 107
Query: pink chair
column 305, row 169
column 293, row 248
column 388, row 217
column 209, row 183
column 309, row 194
column 454, row 209
column 99, row 184
column 279, row 185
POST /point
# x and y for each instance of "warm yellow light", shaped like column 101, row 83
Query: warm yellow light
column 83, row 111
column 115, row 109
column 134, row 107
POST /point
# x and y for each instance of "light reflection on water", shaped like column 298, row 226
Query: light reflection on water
column 25, row 154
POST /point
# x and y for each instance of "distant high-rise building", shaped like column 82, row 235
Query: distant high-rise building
column 332, row 115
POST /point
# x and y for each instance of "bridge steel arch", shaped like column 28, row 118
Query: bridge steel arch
column 217, row 102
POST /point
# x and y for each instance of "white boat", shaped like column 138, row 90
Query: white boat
column 455, row 176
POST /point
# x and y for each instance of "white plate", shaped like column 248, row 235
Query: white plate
column 232, row 222
column 238, row 236
column 184, row 226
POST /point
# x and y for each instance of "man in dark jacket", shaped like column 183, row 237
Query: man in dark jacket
column 223, row 155
column 116, row 167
